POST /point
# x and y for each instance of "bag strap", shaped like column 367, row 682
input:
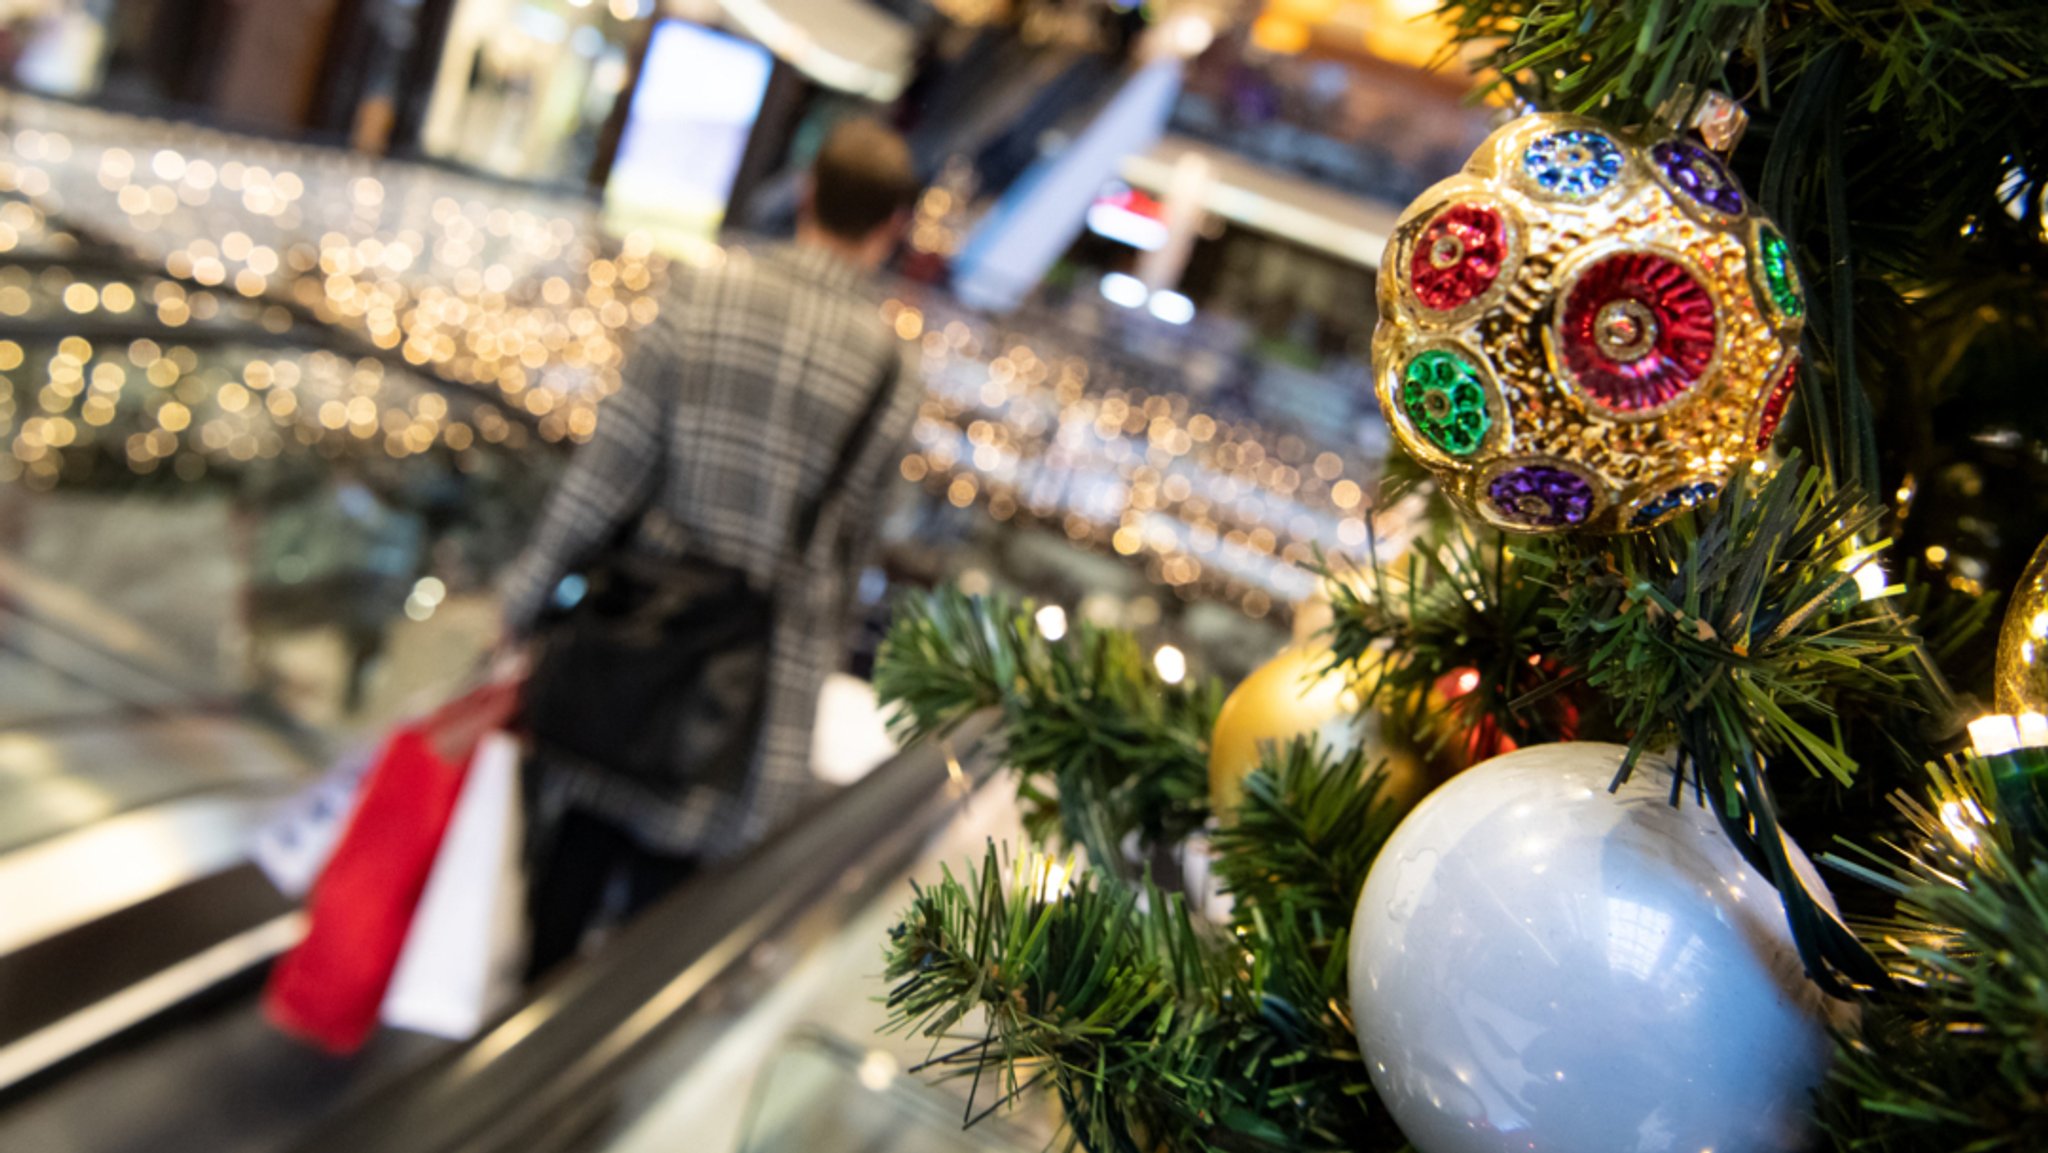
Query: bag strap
column 849, row 452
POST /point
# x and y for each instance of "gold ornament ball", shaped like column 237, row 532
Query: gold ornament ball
column 1292, row 696
column 2022, row 674
column 1585, row 329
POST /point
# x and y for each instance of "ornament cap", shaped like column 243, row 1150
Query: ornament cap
column 1718, row 118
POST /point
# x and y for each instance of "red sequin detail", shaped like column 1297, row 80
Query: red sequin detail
column 1481, row 242
column 1774, row 407
column 1674, row 360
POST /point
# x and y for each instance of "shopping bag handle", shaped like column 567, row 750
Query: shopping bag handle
column 454, row 729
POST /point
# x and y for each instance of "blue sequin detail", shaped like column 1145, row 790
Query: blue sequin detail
column 1685, row 496
column 1574, row 164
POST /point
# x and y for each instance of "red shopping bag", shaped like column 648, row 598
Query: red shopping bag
column 329, row 988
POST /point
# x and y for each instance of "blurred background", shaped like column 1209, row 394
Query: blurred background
column 303, row 305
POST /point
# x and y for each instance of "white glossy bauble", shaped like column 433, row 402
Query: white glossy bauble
column 1541, row 966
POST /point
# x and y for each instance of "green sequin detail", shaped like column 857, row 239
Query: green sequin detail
column 1779, row 279
column 1446, row 401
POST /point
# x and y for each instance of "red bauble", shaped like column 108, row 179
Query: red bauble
column 1553, row 717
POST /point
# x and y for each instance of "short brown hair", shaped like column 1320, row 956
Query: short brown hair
column 861, row 178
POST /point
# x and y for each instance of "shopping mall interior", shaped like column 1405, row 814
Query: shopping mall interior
column 305, row 304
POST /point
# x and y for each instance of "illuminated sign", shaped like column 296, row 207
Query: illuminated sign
column 1128, row 216
column 687, row 132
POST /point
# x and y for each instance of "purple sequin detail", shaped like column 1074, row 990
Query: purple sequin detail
column 1541, row 496
column 1696, row 173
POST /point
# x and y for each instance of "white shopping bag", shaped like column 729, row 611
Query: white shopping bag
column 462, row 957
column 292, row 847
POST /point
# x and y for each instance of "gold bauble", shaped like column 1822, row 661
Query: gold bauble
column 1586, row 329
column 1292, row 696
column 2022, row 681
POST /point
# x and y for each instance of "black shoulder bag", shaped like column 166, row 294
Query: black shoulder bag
column 660, row 673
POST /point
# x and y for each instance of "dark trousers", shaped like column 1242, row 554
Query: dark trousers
column 573, row 874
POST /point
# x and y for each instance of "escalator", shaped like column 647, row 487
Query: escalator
column 146, row 732
column 136, row 933
column 129, row 789
column 733, row 1015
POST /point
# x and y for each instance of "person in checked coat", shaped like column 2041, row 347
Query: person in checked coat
column 732, row 411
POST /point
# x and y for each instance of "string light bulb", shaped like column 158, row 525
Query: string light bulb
column 1994, row 735
column 1171, row 663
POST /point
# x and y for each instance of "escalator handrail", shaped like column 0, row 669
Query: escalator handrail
column 583, row 1032
column 125, row 649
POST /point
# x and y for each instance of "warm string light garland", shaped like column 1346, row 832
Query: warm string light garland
column 196, row 394
column 1214, row 507
column 532, row 311
column 154, row 404
column 531, row 301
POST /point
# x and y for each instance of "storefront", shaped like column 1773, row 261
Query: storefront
column 674, row 110
column 524, row 88
column 55, row 46
column 669, row 105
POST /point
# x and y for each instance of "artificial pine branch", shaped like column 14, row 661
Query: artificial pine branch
column 1462, row 600
column 1745, row 614
column 1581, row 55
column 1303, row 838
column 1745, row 611
column 1963, row 1064
column 1293, row 858
column 1739, row 635
column 1069, row 986
column 1950, row 72
column 1153, row 1029
column 1103, row 748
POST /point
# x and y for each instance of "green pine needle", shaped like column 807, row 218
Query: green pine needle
column 1962, row 1064
column 1302, row 839
column 1463, row 599
column 1739, row 632
column 1103, row 748
column 1154, row 1030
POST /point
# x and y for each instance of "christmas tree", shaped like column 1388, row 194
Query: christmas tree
column 1698, row 639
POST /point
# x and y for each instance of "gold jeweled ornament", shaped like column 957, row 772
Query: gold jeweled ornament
column 1585, row 329
column 1293, row 696
column 2021, row 683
